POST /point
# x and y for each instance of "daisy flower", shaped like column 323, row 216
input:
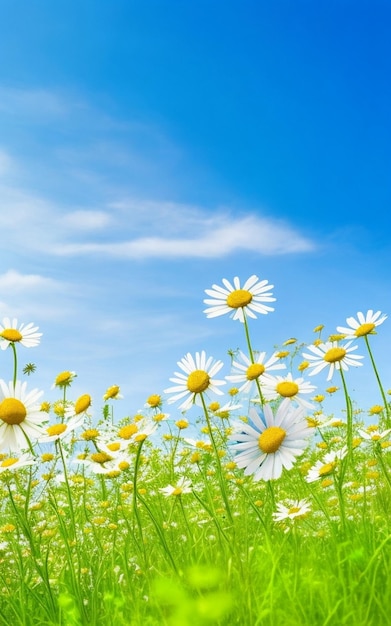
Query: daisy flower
column 112, row 393
column 333, row 355
column 374, row 434
column 10, row 333
column 248, row 372
column 363, row 324
column 12, row 463
column 135, row 433
column 21, row 417
column 61, row 430
column 64, row 379
column 287, row 387
column 197, row 379
column 326, row 466
column 294, row 509
column 81, row 405
column 237, row 300
column 265, row 446
column 183, row 486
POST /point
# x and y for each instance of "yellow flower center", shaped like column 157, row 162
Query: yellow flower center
column 8, row 462
column 101, row 457
column 126, row 432
column 271, row 439
column 111, row 392
column 293, row 509
column 90, row 434
column 154, row 400
column 12, row 411
column 177, row 491
column 123, row 465
column 334, row 354
column 63, row 377
column 287, row 389
column 56, row 429
column 198, row 381
column 239, row 298
column 255, row 370
column 364, row 329
column 327, row 469
column 11, row 334
column 114, row 447
column 82, row 403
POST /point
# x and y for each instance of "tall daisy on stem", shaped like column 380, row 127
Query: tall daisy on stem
column 337, row 358
column 194, row 385
column 11, row 334
column 241, row 302
column 363, row 326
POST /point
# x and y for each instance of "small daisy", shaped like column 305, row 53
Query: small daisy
column 61, row 430
column 112, row 393
column 374, row 434
column 183, row 486
column 198, row 378
column 326, row 466
column 250, row 372
column 294, row 509
column 237, row 300
column 334, row 355
column 287, row 387
column 21, row 417
column 64, row 379
column 12, row 463
column 26, row 334
column 264, row 448
column 81, row 405
column 362, row 325
column 136, row 433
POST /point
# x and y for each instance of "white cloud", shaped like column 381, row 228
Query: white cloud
column 220, row 237
column 86, row 220
column 14, row 282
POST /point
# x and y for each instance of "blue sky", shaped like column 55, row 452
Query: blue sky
column 150, row 148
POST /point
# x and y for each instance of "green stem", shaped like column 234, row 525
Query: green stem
column 251, row 355
column 222, row 483
column 386, row 405
column 15, row 362
column 349, row 417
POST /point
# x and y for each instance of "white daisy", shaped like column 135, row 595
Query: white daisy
column 182, row 486
column 238, row 300
column 21, row 418
column 363, row 324
column 326, row 466
column 198, row 378
column 292, row 510
column 286, row 387
column 107, row 463
column 250, row 372
column 332, row 354
column 12, row 463
column 374, row 434
column 10, row 333
column 62, row 429
column 265, row 446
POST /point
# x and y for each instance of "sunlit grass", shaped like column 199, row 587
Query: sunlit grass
column 148, row 519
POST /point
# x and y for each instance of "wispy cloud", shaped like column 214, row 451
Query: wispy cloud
column 13, row 282
column 223, row 238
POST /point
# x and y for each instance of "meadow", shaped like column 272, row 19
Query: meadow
column 232, row 501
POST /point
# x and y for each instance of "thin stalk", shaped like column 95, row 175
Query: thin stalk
column 15, row 362
column 349, row 417
column 251, row 355
column 218, row 462
column 386, row 405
